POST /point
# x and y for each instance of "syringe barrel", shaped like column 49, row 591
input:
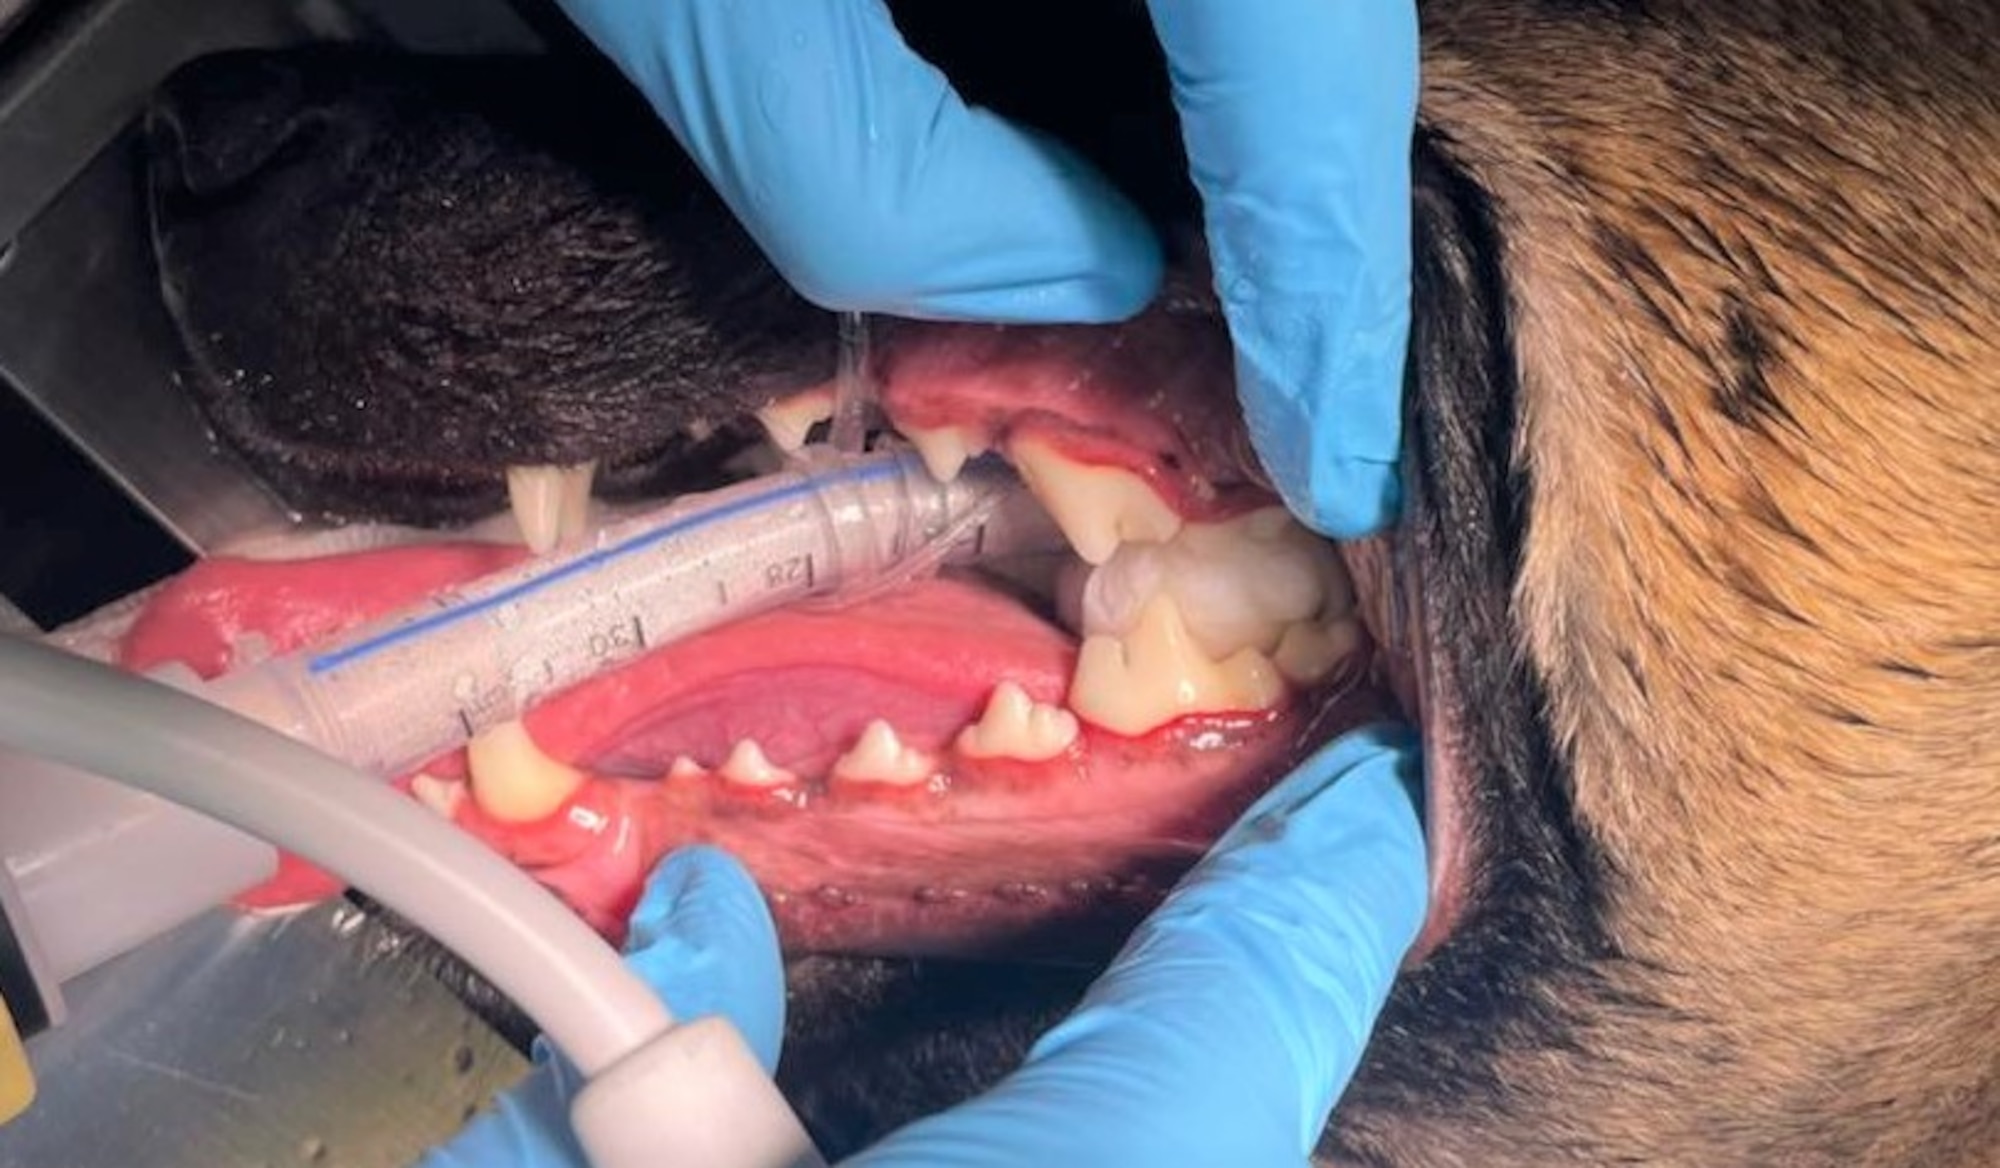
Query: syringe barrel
column 396, row 692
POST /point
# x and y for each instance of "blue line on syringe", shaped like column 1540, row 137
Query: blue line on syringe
column 592, row 560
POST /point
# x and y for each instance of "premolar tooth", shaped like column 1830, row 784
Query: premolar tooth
column 1310, row 649
column 748, row 766
column 944, row 450
column 551, row 503
column 1156, row 673
column 685, row 768
column 444, row 796
column 789, row 420
column 881, row 757
column 513, row 779
column 1097, row 507
column 1017, row 726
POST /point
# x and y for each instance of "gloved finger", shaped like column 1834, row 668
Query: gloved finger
column 704, row 940
column 526, row 1127
column 862, row 174
column 1238, row 1012
column 1298, row 117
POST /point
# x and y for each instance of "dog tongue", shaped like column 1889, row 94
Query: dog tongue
column 982, row 854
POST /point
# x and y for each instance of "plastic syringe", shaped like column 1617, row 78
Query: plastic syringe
column 392, row 694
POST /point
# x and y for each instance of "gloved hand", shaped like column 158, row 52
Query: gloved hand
column 1222, row 1034
column 873, row 187
column 700, row 937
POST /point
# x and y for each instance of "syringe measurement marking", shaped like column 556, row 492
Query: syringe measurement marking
column 592, row 561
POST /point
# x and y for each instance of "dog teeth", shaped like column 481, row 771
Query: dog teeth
column 1137, row 682
column 1018, row 727
column 551, row 503
column 685, row 768
column 747, row 766
column 789, row 421
column 444, row 796
column 882, row 757
column 513, row 780
column 1309, row 652
column 1098, row 508
column 945, row 450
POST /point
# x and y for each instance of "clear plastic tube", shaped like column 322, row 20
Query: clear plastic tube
column 390, row 695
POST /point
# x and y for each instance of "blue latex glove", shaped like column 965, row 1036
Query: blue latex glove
column 873, row 187
column 1222, row 1034
column 702, row 938
column 1238, row 1011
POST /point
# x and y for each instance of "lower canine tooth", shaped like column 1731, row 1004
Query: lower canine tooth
column 1016, row 726
column 791, row 419
column 748, row 766
column 881, row 757
column 1145, row 679
column 551, row 503
column 513, row 780
column 1097, row 507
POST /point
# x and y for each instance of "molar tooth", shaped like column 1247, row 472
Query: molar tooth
column 944, row 450
column 1310, row 649
column 1139, row 682
column 748, row 766
column 444, row 796
column 513, row 779
column 789, row 420
column 551, row 503
column 1097, row 507
column 881, row 757
column 1016, row 726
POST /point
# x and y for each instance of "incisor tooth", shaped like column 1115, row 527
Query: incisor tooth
column 790, row 420
column 748, row 766
column 1139, row 682
column 881, row 757
column 443, row 796
column 513, row 779
column 1097, row 507
column 1016, row 726
column 944, row 450
column 1310, row 650
column 551, row 503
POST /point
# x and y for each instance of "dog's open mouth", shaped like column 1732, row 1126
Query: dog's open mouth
column 1010, row 758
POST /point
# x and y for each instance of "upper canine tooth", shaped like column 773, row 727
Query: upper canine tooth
column 1139, row 682
column 1017, row 726
column 789, row 420
column 747, row 765
column 512, row 779
column 881, row 757
column 944, row 450
column 1097, row 507
column 551, row 503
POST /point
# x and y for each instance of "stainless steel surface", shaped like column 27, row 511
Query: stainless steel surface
column 84, row 338
column 309, row 1039
column 303, row 1040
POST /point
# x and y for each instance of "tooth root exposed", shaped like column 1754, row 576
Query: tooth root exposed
column 1097, row 507
column 1310, row 651
column 1139, row 682
column 513, row 779
column 748, row 767
column 1016, row 726
column 944, row 450
column 551, row 503
column 882, row 757
column 444, row 796
column 790, row 420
